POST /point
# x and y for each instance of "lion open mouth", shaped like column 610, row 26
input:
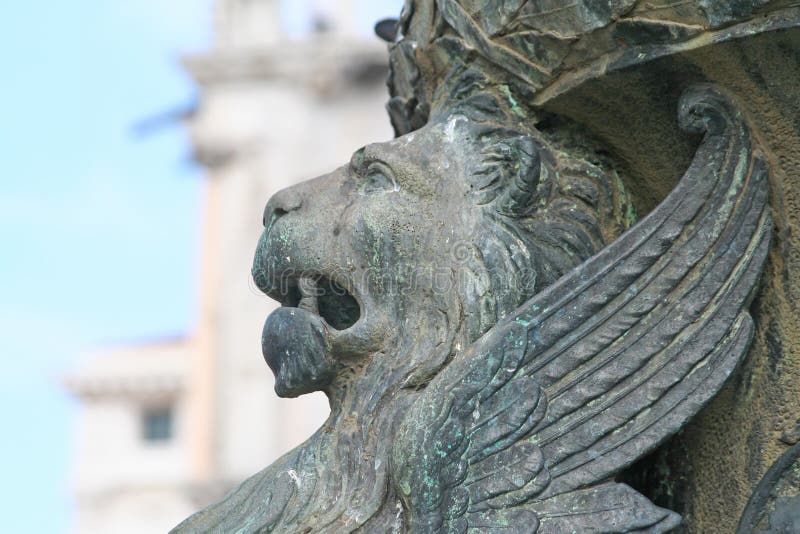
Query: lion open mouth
column 299, row 339
column 322, row 296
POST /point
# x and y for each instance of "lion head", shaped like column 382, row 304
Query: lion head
column 390, row 264
column 389, row 267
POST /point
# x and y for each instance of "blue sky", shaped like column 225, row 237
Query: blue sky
column 98, row 227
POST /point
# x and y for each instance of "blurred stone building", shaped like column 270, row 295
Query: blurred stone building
column 168, row 426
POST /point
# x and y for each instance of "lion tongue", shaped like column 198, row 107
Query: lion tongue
column 296, row 347
column 309, row 293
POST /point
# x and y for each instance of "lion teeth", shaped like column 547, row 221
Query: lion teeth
column 308, row 292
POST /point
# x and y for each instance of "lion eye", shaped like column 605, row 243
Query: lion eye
column 378, row 178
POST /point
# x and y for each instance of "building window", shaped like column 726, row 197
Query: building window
column 157, row 424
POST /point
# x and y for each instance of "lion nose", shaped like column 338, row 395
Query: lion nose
column 280, row 204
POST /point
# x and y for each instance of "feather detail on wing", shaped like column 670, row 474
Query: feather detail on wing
column 520, row 432
column 473, row 456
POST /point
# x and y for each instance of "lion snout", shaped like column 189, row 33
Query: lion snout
column 281, row 203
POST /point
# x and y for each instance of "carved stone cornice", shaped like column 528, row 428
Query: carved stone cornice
column 142, row 371
column 337, row 60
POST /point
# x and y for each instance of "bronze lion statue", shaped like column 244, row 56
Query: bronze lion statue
column 497, row 334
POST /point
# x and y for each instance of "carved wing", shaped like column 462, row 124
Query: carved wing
column 523, row 431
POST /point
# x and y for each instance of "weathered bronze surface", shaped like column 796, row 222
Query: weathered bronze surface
column 775, row 504
column 503, row 343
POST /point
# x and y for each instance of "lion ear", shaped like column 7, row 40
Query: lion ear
column 507, row 179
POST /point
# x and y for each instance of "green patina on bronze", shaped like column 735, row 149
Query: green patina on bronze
column 506, row 348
